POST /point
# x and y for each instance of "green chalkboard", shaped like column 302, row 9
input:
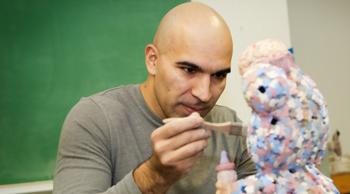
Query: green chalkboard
column 52, row 52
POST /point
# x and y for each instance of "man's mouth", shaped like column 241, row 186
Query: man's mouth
column 190, row 109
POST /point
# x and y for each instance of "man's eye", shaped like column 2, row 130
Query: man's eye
column 220, row 75
column 189, row 70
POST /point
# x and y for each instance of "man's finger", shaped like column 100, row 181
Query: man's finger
column 182, row 139
column 178, row 125
column 185, row 151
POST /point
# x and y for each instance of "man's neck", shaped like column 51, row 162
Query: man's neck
column 148, row 94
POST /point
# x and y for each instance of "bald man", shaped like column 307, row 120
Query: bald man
column 116, row 141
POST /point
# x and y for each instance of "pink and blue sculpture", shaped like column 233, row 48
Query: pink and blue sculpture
column 288, row 129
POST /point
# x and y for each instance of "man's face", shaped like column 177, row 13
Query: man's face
column 190, row 78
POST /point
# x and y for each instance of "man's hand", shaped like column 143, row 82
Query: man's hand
column 176, row 147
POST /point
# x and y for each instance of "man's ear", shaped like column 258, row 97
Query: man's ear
column 151, row 57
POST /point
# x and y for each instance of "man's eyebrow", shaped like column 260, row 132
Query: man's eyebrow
column 188, row 64
column 196, row 67
column 224, row 71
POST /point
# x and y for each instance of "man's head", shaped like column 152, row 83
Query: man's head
column 187, row 62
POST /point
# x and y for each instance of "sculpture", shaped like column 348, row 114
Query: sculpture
column 289, row 126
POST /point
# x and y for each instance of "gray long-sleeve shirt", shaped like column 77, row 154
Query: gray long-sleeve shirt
column 107, row 135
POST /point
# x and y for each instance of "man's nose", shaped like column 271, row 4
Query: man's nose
column 201, row 88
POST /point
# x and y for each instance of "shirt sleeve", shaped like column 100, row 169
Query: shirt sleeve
column 244, row 162
column 84, row 164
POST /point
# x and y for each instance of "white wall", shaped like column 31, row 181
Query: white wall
column 249, row 21
column 320, row 33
